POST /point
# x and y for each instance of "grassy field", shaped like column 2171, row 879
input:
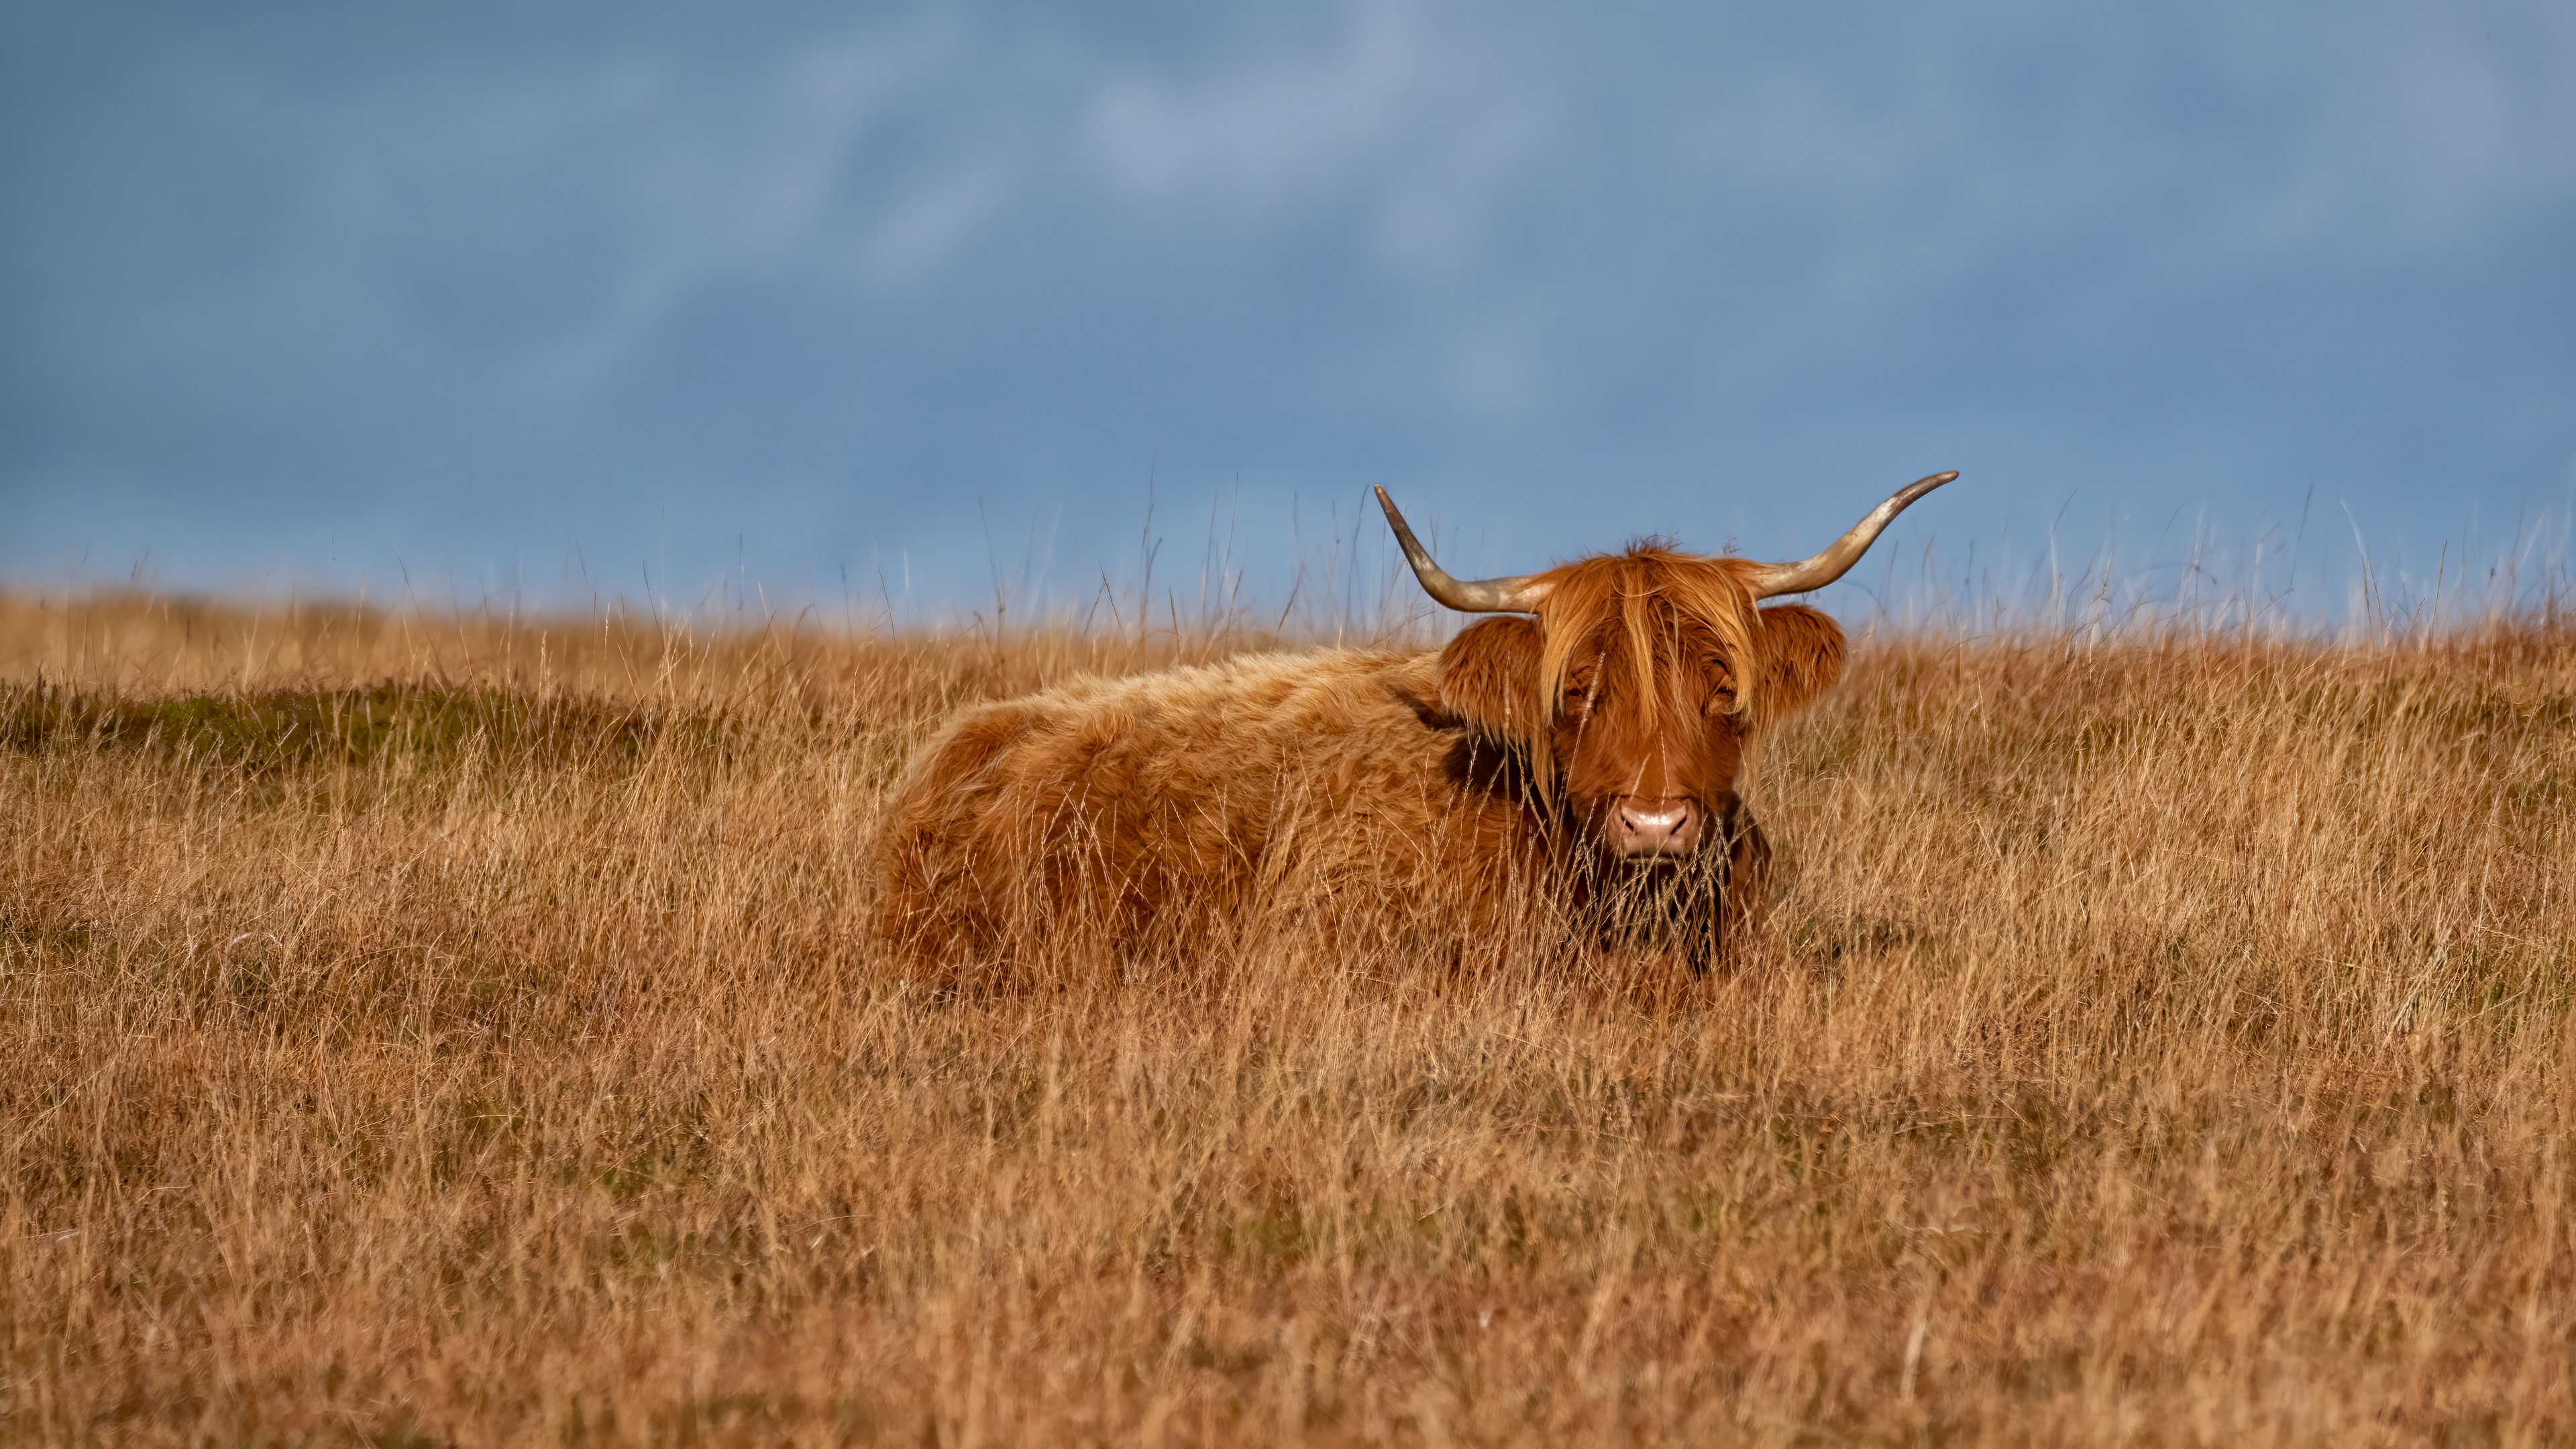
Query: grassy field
column 420, row 1031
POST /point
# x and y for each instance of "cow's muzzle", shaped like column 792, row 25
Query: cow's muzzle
column 1643, row 826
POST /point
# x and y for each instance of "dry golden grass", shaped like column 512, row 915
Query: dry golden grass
column 448, row 1031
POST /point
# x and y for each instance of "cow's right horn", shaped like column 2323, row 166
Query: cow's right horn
column 1797, row 578
column 1518, row 594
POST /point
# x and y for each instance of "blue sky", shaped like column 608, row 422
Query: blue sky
column 533, row 299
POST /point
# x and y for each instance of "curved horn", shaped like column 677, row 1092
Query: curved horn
column 1514, row 595
column 1797, row 578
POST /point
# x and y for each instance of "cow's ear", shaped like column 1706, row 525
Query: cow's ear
column 1801, row 655
column 1489, row 679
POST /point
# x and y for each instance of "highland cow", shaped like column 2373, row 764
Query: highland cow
column 1565, row 774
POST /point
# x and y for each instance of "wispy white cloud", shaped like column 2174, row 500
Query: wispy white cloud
column 925, row 227
column 1271, row 131
column 753, row 182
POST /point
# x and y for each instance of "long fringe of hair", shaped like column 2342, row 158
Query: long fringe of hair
column 1650, row 589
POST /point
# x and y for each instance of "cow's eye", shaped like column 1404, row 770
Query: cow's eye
column 1721, row 700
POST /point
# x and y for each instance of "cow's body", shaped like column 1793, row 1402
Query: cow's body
column 1174, row 808
column 1565, row 780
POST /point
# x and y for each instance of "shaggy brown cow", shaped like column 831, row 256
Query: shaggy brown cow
column 1568, row 777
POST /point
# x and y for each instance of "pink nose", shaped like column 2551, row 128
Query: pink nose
column 1640, row 826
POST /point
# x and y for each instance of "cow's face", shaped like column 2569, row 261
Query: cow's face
column 1635, row 690
column 1636, row 681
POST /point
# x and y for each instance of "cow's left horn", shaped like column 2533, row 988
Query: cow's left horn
column 1518, row 594
column 1797, row 578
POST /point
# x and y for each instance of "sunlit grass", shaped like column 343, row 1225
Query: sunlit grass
column 436, row 1030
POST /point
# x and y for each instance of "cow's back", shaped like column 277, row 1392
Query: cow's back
column 1172, row 808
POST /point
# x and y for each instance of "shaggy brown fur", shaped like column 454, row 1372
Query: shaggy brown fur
column 1458, row 798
